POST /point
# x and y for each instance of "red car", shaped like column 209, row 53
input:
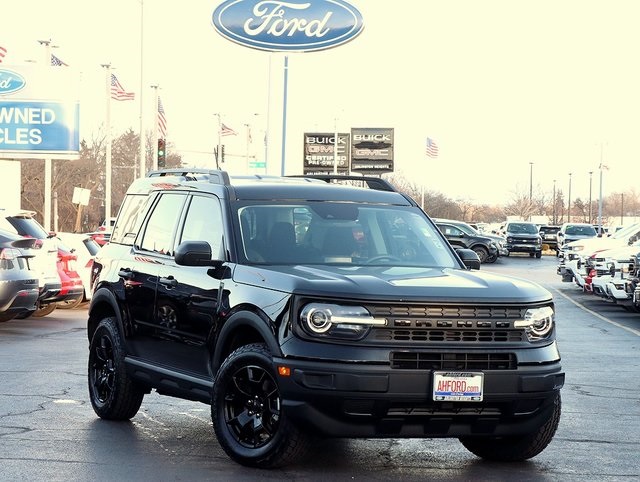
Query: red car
column 72, row 291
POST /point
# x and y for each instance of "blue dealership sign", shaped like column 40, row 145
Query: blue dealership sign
column 39, row 112
column 39, row 126
column 278, row 25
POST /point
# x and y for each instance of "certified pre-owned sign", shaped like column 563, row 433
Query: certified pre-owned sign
column 277, row 25
column 10, row 81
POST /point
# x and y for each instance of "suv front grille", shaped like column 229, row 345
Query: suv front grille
column 452, row 361
column 443, row 324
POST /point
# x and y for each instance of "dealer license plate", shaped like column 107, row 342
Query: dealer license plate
column 457, row 386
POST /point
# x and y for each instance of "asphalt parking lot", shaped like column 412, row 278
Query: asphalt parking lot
column 50, row 432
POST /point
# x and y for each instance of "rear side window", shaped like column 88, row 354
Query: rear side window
column 158, row 234
column 26, row 226
column 130, row 219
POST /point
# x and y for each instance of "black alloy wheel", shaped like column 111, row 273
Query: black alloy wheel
column 252, row 407
column 114, row 396
column 247, row 414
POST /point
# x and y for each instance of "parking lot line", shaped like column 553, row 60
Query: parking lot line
column 597, row 315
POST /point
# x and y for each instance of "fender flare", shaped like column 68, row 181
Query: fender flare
column 101, row 297
column 235, row 322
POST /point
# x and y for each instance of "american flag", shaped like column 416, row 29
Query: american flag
column 118, row 92
column 227, row 131
column 432, row 148
column 56, row 62
column 3, row 52
column 162, row 120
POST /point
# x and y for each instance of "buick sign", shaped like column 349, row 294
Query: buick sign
column 286, row 26
column 10, row 81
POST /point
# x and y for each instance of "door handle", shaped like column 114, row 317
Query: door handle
column 126, row 273
column 169, row 282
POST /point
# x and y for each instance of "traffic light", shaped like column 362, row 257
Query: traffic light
column 162, row 153
column 222, row 153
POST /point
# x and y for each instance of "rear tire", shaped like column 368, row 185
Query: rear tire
column 70, row 304
column 44, row 310
column 247, row 415
column 6, row 317
column 516, row 448
column 114, row 396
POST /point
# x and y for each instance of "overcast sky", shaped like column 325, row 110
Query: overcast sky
column 497, row 84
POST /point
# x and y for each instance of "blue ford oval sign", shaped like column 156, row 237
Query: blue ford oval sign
column 279, row 25
column 10, row 81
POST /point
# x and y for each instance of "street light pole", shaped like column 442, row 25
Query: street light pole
column 531, row 182
column 569, row 205
column 590, row 174
column 600, row 196
column 554, row 202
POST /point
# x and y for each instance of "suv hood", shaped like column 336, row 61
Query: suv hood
column 593, row 244
column 396, row 283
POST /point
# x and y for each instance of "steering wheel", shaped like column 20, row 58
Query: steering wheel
column 381, row 257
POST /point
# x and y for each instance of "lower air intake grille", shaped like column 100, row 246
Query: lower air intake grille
column 452, row 361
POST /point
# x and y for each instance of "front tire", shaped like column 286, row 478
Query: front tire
column 516, row 448
column 247, row 414
column 482, row 253
column 114, row 396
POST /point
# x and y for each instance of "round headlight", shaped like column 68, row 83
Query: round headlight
column 318, row 320
column 537, row 322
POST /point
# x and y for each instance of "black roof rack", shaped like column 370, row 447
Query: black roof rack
column 194, row 174
column 372, row 182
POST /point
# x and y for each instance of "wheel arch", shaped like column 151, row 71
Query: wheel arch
column 103, row 305
column 242, row 328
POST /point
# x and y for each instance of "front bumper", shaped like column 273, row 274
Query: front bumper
column 369, row 400
column 524, row 248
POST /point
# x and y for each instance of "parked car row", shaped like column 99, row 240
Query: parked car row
column 30, row 255
column 488, row 247
column 608, row 267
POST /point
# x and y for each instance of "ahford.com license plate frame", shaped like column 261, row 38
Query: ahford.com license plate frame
column 458, row 386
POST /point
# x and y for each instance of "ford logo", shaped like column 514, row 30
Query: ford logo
column 279, row 25
column 10, row 81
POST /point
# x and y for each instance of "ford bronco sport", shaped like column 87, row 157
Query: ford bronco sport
column 301, row 307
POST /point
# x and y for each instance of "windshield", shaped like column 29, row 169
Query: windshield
column 522, row 228
column 581, row 230
column 341, row 233
column 626, row 232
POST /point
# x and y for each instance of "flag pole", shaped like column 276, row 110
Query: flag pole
column 154, row 141
column 218, row 149
column 142, row 160
column 107, row 167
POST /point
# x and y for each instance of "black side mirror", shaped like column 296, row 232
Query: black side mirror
column 194, row 253
column 469, row 258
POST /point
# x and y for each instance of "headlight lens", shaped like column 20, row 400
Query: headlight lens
column 537, row 323
column 337, row 321
column 509, row 239
column 578, row 248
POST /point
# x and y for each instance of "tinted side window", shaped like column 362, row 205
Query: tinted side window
column 129, row 220
column 204, row 223
column 158, row 235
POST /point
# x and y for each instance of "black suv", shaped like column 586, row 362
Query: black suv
column 301, row 307
column 485, row 247
column 523, row 237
